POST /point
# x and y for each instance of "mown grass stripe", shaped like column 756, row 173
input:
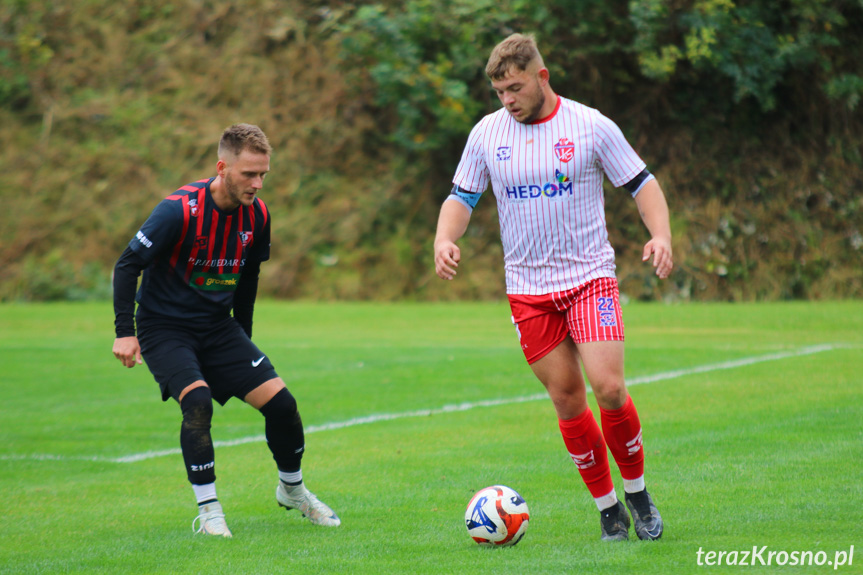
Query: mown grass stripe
column 375, row 418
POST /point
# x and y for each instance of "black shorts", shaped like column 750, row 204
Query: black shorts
column 220, row 353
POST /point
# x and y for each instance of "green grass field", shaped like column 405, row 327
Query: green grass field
column 752, row 426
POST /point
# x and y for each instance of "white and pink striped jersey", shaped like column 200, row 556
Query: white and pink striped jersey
column 547, row 178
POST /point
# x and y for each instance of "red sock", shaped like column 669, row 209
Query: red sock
column 622, row 431
column 583, row 440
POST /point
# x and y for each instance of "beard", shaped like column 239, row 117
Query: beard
column 233, row 191
column 532, row 114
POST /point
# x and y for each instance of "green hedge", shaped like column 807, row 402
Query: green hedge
column 747, row 112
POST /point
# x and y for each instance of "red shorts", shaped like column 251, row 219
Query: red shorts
column 589, row 312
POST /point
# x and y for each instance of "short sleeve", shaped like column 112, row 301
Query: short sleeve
column 472, row 173
column 618, row 159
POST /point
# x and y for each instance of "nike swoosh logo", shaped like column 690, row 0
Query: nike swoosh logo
column 258, row 361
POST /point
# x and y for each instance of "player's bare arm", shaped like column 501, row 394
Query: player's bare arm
column 128, row 350
column 451, row 226
column 654, row 213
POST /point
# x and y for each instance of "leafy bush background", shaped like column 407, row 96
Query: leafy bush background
column 748, row 112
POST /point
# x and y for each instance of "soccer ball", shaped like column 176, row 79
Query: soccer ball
column 496, row 516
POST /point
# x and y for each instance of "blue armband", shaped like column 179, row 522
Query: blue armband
column 468, row 199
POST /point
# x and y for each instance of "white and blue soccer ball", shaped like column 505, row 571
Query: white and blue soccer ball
column 497, row 516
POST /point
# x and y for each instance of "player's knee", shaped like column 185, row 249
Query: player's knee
column 610, row 395
column 284, row 430
column 197, row 407
column 281, row 406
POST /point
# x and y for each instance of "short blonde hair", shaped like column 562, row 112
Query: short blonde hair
column 241, row 137
column 518, row 51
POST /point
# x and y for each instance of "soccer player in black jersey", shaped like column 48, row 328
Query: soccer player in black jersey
column 200, row 251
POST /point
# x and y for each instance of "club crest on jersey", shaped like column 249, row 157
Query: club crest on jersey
column 245, row 238
column 564, row 149
column 503, row 153
column 193, row 207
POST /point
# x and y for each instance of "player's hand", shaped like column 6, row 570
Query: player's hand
column 446, row 259
column 660, row 248
column 128, row 350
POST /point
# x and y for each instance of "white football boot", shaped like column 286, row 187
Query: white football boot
column 212, row 520
column 308, row 504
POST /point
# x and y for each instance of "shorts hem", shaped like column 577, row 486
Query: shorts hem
column 545, row 351
column 599, row 339
column 254, row 383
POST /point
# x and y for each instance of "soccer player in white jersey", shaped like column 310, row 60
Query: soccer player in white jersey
column 546, row 157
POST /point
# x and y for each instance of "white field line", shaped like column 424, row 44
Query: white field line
column 664, row 376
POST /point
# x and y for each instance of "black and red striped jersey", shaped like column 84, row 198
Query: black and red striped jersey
column 195, row 252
